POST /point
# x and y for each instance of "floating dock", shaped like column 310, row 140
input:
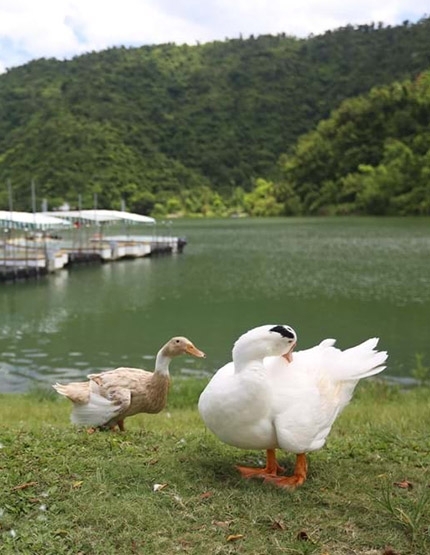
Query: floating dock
column 35, row 245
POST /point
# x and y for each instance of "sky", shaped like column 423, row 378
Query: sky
column 62, row 29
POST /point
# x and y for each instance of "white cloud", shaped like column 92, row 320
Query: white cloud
column 128, row 22
column 64, row 28
column 31, row 30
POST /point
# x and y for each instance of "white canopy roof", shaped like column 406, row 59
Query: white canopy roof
column 103, row 216
column 35, row 220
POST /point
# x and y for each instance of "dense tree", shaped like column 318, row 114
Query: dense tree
column 371, row 156
column 262, row 200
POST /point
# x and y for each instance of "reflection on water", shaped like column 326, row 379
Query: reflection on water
column 345, row 278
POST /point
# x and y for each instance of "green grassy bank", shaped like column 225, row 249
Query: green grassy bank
column 65, row 491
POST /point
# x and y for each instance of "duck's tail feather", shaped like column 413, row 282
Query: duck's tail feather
column 327, row 343
column 77, row 392
column 60, row 388
column 97, row 412
column 362, row 361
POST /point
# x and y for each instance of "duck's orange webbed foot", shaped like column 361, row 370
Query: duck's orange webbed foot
column 120, row 425
column 271, row 469
column 112, row 428
column 297, row 479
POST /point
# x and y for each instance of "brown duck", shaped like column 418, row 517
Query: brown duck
column 106, row 399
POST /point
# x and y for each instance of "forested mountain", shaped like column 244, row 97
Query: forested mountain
column 371, row 156
column 189, row 128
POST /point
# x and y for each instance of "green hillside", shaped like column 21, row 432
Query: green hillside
column 371, row 156
column 186, row 127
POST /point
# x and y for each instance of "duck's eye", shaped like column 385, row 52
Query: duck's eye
column 177, row 341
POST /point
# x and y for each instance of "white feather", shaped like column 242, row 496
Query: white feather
column 97, row 412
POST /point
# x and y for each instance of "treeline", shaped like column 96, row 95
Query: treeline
column 204, row 129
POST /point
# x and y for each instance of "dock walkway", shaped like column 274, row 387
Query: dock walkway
column 29, row 249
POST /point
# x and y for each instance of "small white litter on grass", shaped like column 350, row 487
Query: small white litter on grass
column 158, row 487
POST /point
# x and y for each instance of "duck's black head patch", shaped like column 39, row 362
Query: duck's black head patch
column 284, row 331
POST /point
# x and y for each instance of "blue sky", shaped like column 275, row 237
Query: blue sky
column 31, row 29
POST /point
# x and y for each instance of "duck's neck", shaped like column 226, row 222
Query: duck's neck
column 247, row 357
column 162, row 364
column 241, row 364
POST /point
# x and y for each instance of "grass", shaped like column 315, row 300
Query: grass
column 63, row 491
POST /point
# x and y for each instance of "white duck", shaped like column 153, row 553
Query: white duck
column 267, row 398
column 106, row 399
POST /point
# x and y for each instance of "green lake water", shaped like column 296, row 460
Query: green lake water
column 346, row 278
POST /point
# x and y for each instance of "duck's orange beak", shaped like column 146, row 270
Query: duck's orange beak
column 192, row 350
column 289, row 356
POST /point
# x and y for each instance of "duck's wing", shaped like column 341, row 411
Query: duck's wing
column 325, row 361
column 104, row 397
column 302, row 410
column 311, row 391
column 110, row 395
column 99, row 410
column 127, row 378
